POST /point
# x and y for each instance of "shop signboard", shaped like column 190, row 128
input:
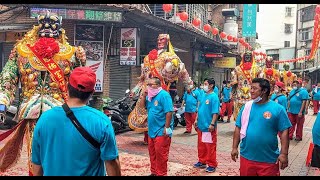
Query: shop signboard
column 128, row 47
column 226, row 62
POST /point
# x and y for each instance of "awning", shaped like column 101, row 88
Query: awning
column 17, row 27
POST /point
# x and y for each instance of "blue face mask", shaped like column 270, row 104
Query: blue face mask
column 258, row 99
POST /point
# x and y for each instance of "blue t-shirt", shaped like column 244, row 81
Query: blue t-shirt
column 226, row 94
column 216, row 90
column 159, row 106
column 191, row 101
column 316, row 95
column 281, row 99
column 209, row 105
column 265, row 121
column 296, row 100
column 316, row 131
column 61, row 150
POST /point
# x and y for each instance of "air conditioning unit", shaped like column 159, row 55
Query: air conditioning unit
column 176, row 19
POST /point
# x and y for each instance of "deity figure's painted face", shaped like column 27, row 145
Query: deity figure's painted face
column 162, row 41
column 247, row 57
column 269, row 62
column 286, row 67
column 49, row 25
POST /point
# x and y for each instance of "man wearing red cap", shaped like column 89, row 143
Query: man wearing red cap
column 59, row 148
column 278, row 95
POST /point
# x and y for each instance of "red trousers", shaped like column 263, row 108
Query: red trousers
column 295, row 120
column 190, row 118
column 145, row 139
column 226, row 106
column 315, row 106
column 207, row 152
column 159, row 153
column 253, row 168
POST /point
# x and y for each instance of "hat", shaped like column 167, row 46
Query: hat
column 83, row 79
column 280, row 85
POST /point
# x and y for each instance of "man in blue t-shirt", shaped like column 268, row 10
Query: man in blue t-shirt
column 227, row 103
column 315, row 99
column 58, row 147
column 160, row 124
column 206, row 126
column 190, row 100
column 296, row 109
column 257, row 126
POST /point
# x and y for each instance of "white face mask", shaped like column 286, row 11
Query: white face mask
column 295, row 87
column 276, row 90
column 206, row 88
column 201, row 87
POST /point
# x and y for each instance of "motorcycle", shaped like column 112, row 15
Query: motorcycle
column 7, row 118
column 118, row 111
column 178, row 113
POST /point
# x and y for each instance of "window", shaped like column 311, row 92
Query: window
column 288, row 28
column 306, row 34
column 288, row 11
column 307, row 14
column 286, row 43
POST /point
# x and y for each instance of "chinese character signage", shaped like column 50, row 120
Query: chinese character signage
column 226, row 62
column 128, row 48
column 249, row 20
column 91, row 38
column 91, row 15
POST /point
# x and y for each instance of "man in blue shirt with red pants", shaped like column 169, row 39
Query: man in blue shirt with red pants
column 297, row 100
column 206, row 127
column 257, row 126
column 160, row 124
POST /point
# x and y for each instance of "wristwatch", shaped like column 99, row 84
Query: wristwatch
column 212, row 125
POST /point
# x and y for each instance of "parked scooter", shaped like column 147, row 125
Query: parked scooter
column 7, row 118
column 178, row 113
column 118, row 112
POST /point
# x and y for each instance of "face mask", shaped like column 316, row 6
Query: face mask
column 190, row 87
column 153, row 92
column 224, row 85
column 206, row 88
column 201, row 87
column 276, row 90
column 295, row 87
column 258, row 99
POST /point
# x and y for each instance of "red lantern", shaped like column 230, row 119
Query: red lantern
column 229, row 37
column 196, row 22
column 207, row 27
column 215, row 31
column 318, row 9
column 241, row 40
column 183, row 16
column 223, row 35
column 167, row 7
column 235, row 39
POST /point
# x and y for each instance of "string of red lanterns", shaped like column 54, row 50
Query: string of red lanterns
column 215, row 31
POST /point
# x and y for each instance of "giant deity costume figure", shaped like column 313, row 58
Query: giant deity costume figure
column 164, row 64
column 288, row 77
column 42, row 62
column 242, row 77
column 270, row 73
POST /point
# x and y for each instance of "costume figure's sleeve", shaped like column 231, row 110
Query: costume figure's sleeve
column 184, row 75
column 80, row 57
column 234, row 79
column 142, row 78
column 9, row 79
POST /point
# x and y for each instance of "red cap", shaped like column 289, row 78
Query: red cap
column 83, row 79
column 280, row 85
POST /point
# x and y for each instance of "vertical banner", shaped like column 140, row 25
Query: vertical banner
column 249, row 19
column 128, row 48
column 91, row 38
